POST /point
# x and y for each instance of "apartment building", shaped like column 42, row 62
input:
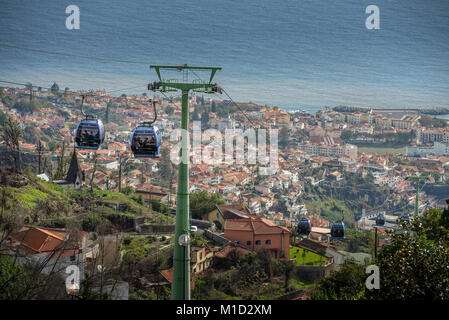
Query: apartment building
column 426, row 135
column 330, row 150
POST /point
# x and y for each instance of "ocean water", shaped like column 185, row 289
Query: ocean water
column 290, row 53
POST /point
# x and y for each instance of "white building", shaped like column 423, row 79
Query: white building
column 330, row 150
column 438, row 148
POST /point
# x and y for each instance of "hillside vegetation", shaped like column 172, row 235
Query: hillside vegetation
column 31, row 200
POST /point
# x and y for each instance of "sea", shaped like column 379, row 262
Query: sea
column 295, row 54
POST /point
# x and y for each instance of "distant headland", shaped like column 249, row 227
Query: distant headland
column 423, row 110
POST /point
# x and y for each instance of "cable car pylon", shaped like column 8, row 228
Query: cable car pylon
column 181, row 258
column 417, row 179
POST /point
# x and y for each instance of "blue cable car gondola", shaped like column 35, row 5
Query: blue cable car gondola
column 304, row 227
column 89, row 132
column 404, row 218
column 146, row 139
column 380, row 219
column 338, row 230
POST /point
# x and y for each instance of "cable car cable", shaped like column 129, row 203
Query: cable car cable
column 73, row 55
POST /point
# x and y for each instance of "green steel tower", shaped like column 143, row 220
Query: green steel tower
column 416, row 179
column 181, row 259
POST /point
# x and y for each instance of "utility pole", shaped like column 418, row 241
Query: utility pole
column 416, row 179
column 39, row 152
column 30, row 87
column 120, row 174
column 375, row 244
column 181, row 259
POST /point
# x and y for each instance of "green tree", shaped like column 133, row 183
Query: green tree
column 414, row 265
column 8, row 101
column 128, row 190
column 202, row 202
column 26, row 106
column 348, row 283
column 11, row 135
column 346, row 135
column 15, row 279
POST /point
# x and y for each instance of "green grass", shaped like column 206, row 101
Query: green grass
column 331, row 209
column 132, row 206
column 382, row 150
column 56, row 203
column 37, row 191
column 29, row 196
column 311, row 258
column 137, row 242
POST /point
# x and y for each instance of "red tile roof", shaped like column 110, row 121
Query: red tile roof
column 40, row 240
column 257, row 225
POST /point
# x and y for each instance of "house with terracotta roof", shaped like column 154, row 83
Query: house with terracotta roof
column 223, row 212
column 52, row 249
column 256, row 233
column 229, row 250
column 168, row 276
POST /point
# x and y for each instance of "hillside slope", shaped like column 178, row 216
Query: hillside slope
column 32, row 201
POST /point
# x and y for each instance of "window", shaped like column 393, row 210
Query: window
column 258, row 242
column 267, row 241
column 72, row 258
column 248, row 243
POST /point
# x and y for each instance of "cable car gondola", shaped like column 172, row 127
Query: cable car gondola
column 89, row 132
column 338, row 230
column 380, row 219
column 404, row 218
column 146, row 139
column 304, row 227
